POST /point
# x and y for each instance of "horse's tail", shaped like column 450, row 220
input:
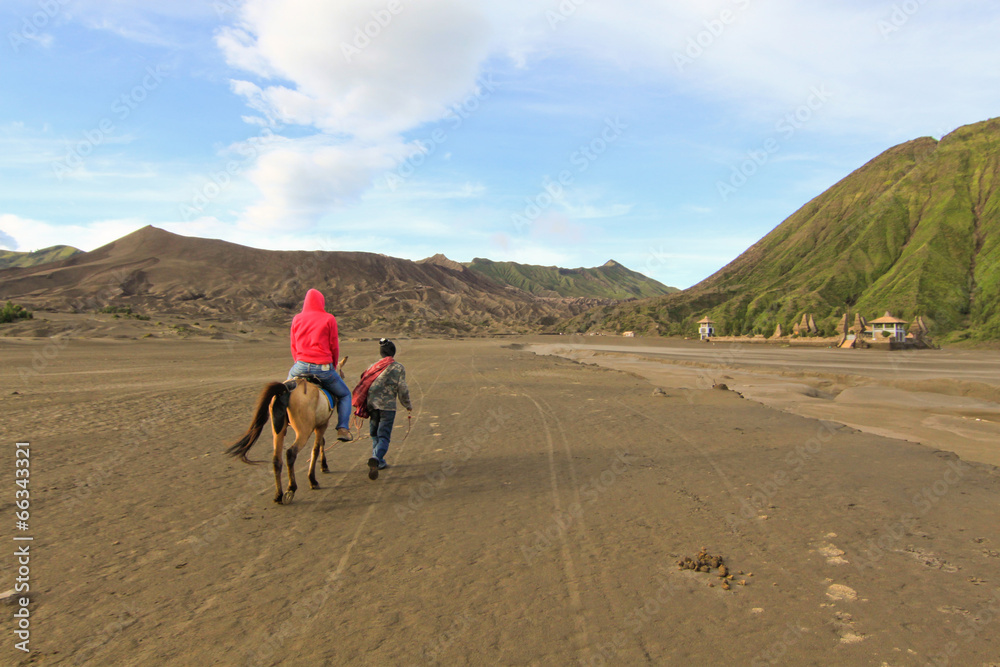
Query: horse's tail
column 260, row 415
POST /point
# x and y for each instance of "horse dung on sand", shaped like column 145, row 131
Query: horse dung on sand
column 302, row 404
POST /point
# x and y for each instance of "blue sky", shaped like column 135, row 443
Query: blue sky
column 562, row 132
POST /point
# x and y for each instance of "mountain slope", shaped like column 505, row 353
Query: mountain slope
column 154, row 271
column 11, row 258
column 915, row 231
column 610, row 281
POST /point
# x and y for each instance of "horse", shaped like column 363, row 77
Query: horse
column 306, row 409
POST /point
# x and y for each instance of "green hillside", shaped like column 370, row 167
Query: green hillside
column 610, row 281
column 916, row 231
column 11, row 258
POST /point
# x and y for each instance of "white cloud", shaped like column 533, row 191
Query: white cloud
column 303, row 179
column 363, row 72
column 7, row 242
column 888, row 69
column 36, row 234
column 334, row 76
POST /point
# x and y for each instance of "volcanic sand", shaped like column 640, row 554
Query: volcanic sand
column 948, row 399
column 534, row 514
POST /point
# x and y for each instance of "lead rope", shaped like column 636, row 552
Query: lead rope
column 359, row 424
column 409, row 422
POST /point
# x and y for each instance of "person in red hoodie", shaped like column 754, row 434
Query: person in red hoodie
column 316, row 351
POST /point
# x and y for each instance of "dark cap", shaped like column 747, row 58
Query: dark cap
column 386, row 347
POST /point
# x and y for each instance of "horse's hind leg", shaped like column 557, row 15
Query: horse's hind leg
column 290, row 455
column 317, row 448
column 279, row 444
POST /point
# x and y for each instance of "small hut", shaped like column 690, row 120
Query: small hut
column 895, row 327
column 706, row 328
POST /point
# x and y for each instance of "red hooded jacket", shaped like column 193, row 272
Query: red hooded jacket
column 314, row 332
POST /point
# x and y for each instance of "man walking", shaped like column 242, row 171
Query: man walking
column 385, row 380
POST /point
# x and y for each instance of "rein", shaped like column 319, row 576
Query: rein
column 359, row 424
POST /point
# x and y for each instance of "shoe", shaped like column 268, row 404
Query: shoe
column 383, row 465
column 344, row 435
column 373, row 468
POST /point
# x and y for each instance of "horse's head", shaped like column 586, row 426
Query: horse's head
column 340, row 367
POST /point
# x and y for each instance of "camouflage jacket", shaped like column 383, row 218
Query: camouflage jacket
column 387, row 386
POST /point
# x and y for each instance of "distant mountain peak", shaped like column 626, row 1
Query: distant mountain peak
column 441, row 260
column 15, row 259
column 620, row 283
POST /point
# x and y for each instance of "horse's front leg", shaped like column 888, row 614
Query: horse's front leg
column 317, row 450
column 322, row 457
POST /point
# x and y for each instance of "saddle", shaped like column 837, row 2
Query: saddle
column 279, row 408
column 291, row 384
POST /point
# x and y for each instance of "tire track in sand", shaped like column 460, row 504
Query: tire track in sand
column 584, row 652
column 591, row 546
column 569, row 566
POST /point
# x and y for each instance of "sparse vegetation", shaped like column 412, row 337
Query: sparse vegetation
column 12, row 312
column 123, row 311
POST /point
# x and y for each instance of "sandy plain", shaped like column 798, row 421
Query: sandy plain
column 534, row 514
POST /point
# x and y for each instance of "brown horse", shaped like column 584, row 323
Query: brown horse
column 306, row 409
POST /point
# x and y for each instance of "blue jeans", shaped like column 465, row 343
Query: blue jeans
column 332, row 382
column 380, row 429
